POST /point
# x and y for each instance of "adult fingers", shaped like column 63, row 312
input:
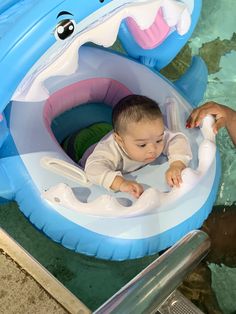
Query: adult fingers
column 190, row 123
column 220, row 123
column 198, row 114
column 196, row 117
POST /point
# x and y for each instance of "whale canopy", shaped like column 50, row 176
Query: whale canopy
column 42, row 38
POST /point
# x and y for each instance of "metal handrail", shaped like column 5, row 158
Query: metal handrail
column 150, row 288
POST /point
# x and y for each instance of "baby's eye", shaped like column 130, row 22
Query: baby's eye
column 141, row 145
column 159, row 141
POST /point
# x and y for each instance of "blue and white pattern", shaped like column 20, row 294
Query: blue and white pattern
column 47, row 69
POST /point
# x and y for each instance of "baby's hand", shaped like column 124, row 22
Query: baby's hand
column 131, row 187
column 173, row 174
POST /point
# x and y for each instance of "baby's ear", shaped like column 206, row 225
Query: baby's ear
column 117, row 138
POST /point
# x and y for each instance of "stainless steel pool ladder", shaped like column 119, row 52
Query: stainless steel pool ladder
column 153, row 290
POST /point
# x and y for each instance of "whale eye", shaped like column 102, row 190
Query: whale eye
column 65, row 29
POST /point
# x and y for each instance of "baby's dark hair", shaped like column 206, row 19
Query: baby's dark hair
column 134, row 108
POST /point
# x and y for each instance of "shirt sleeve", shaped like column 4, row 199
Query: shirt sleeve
column 177, row 147
column 101, row 166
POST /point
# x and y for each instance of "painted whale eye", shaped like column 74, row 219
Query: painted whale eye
column 65, row 29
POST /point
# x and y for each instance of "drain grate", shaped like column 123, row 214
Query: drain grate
column 177, row 303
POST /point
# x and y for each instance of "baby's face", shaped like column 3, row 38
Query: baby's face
column 143, row 140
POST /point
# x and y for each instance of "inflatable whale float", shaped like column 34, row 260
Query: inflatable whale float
column 53, row 84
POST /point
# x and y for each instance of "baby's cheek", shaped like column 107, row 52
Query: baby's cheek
column 161, row 148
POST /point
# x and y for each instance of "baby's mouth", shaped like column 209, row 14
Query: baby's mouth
column 150, row 158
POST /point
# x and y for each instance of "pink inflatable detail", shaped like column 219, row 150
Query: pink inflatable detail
column 104, row 90
column 151, row 37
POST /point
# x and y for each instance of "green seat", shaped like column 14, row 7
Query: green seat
column 77, row 143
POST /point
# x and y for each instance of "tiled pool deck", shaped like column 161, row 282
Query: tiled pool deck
column 27, row 287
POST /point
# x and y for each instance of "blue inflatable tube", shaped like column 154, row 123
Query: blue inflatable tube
column 53, row 84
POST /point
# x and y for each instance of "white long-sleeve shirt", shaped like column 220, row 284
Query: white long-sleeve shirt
column 109, row 160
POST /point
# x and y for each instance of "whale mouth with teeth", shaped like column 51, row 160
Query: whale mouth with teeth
column 149, row 22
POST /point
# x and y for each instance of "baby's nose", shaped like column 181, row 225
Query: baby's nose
column 152, row 148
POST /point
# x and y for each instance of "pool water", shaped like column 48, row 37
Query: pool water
column 214, row 40
column 94, row 281
column 210, row 286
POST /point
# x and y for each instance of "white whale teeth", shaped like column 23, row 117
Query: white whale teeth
column 144, row 15
column 184, row 22
column 175, row 13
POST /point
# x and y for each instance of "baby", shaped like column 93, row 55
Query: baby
column 138, row 138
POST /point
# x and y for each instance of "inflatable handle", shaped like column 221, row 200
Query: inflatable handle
column 206, row 128
column 65, row 169
column 172, row 113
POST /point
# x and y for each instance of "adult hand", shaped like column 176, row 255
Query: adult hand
column 224, row 117
column 221, row 113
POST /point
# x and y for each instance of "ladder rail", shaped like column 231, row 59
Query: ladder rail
column 146, row 292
